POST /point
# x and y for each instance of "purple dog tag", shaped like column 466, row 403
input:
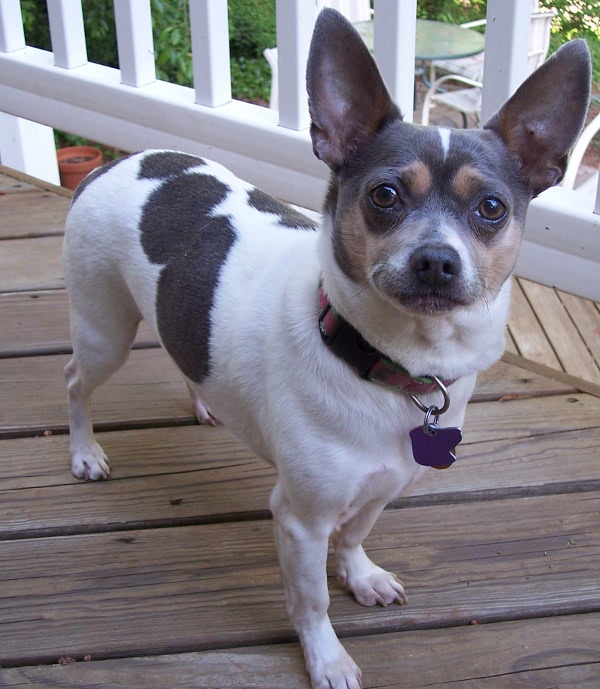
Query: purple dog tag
column 435, row 448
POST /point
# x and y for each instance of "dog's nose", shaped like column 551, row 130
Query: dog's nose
column 435, row 265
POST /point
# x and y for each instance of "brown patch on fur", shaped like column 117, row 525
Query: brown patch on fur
column 496, row 261
column 349, row 245
column 357, row 249
column 465, row 181
column 417, row 177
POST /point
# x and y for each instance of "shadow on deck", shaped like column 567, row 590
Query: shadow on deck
column 166, row 575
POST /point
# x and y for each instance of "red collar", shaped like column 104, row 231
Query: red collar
column 347, row 343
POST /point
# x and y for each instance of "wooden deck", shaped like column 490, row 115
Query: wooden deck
column 166, row 575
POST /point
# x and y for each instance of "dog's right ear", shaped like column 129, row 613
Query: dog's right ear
column 347, row 99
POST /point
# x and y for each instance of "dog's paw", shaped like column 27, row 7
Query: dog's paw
column 90, row 464
column 203, row 413
column 376, row 587
column 343, row 673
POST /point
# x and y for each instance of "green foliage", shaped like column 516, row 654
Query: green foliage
column 35, row 23
column 100, row 33
column 577, row 19
column 454, row 11
column 172, row 41
column 251, row 27
column 250, row 79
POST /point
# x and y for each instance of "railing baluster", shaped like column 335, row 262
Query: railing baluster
column 210, row 51
column 394, row 48
column 506, row 45
column 12, row 36
column 25, row 145
column 295, row 22
column 67, row 32
column 134, row 42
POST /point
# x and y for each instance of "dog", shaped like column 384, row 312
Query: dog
column 342, row 353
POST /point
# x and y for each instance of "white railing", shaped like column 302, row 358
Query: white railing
column 130, row 109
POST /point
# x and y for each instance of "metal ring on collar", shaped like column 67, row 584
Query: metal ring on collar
column 436, row 411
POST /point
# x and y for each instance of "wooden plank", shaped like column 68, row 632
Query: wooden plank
column 31, row 264
column 200, row 587
column 586, row 316
column 519, row 418
column 511, row 345
column 12, row 185
column 19, row 181
column 32, row 214
column 571, row 350
column 528, row 335
column 508, row 379
column 170, row 475
column 558, row 376
column 194, row 474
column 149, row 389
column 34, row 322
column 552, row 652
column 566, row 461
column 38, row 323
column 146, row 391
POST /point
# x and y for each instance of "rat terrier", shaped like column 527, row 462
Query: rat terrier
column 331, row 353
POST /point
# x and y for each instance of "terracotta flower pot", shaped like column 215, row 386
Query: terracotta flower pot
column 75, row 162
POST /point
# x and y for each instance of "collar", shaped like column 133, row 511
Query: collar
column 347, row 343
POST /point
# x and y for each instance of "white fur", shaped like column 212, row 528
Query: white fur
column 445, row 133
column 340, row 444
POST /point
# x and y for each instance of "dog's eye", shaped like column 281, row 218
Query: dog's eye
column 384, row 196
column 492, row 209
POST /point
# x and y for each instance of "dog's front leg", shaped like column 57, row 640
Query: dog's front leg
column 302, row 544
column 370, row 584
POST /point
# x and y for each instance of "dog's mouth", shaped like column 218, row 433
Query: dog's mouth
column 412, row 296
column 429, row 304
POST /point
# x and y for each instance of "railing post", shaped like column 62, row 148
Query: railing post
column 394, row 38
column 295, row 23
column 12, row 36
column 210, row 52
column 506, row 45
column 24, row 145
column 135, row 43
column 67, row 32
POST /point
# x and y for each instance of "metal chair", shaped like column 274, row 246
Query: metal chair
column 469, row 72
column 589, row 186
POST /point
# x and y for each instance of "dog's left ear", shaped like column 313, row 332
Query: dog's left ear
column 347, row 98
column 543, row 119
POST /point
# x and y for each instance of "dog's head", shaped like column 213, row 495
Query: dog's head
column 432, row 218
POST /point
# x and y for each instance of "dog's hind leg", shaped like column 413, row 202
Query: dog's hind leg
column 370, row 584
column 102, row 336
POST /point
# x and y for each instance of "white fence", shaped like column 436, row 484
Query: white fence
column 130, row 109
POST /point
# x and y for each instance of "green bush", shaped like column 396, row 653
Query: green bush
column 251, row 27
column 577, row 19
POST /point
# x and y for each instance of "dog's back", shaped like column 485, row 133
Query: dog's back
column 162, row 217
